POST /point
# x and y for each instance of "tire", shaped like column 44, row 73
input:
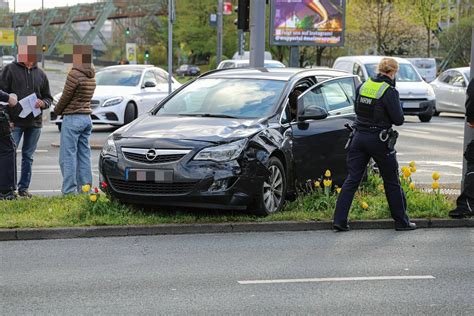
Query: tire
column 272, row 194
column 130, row 113
column 425, row 117
column 59, row 125
column 436, row 113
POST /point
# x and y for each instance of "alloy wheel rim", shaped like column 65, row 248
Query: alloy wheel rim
column 273, row 189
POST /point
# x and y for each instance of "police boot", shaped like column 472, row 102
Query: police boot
column 10, row 195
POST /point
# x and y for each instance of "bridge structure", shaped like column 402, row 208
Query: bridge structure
column 59, row 22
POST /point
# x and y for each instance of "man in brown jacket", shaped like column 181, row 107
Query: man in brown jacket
column 75, row 107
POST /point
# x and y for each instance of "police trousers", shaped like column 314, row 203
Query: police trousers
column 7, row 164
column 466, row 200
column 366, row 145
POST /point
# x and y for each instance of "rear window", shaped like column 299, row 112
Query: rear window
column 425, row 64
column 406, row 73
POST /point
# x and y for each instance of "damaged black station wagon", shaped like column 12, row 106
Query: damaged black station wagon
column 240, row 139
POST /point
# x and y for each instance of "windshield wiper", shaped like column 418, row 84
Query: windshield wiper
column 209, row 115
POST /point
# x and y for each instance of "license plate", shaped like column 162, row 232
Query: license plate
column 149, row 175
column 410, row 105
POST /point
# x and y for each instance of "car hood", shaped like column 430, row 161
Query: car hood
column 113, row 91
column 208, row 129
column 413, row 89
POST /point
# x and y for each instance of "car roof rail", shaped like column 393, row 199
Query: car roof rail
column 209, row 72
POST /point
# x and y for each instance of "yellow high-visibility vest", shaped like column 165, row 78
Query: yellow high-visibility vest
column 373, row 90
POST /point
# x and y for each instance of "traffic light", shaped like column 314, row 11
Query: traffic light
column 43, row 48
column 147, row 54
column 243, row 11
column 127, row 31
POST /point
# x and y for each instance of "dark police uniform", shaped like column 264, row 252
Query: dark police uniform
column 7, row 157
column 465, row 202
column 377, row 107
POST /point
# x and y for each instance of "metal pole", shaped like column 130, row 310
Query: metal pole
column 15, row 50
column 170, row 44
column 220, row 13
column 468, row 131
column 257, row 33
column 294, row 56
column 241, row 36
column 42, row 33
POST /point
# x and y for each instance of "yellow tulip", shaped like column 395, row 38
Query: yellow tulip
column 404, row 168
column 413, row 169
column 317, row 184
column 338, row 190
column 327, row 173
column 435, row 185
column 327, row 183
column 406, row 173
column 93, row 197
column 364, row 205
column 435, row 176
column 412, row 164
column 412, row 186
column 86, row 188
column 380, row 187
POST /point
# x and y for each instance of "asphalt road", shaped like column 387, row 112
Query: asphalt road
column 427, row 272
column 434, row 146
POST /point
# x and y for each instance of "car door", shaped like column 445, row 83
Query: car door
column 458, row 92
column 319, row 144
column 442, row 91
column 152, row 94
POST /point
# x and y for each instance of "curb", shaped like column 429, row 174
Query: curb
column 93, row 146
column 180, row 229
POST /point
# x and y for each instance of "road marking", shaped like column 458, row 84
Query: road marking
column 37, row 151
column 377, row 278
column 415, row 131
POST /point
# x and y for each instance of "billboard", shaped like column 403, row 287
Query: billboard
column 307, row 22
column 7, row 37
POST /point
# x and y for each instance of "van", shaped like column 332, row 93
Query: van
column 417, row 96
column 426, row 67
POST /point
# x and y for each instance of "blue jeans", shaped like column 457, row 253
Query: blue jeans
column 30, row 136
column 75, row 152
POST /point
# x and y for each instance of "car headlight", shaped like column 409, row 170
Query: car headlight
column 430, row 91
column 222, row 153
column 113, row 101
column 109, row 148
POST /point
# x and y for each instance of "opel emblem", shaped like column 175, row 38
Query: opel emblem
column 151, row 155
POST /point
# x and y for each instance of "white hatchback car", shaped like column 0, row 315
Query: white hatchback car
column 417, row 97
column 123, row 93
column 450, row 89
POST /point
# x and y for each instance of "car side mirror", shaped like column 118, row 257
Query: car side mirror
column 316, row 113
column 149, row 84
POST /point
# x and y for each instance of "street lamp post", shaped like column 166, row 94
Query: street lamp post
column 42, row 34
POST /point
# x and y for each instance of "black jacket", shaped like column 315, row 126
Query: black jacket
column 470, row 102
column 393, row 112
column 17, row 78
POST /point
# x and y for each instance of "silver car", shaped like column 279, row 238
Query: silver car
column 450, row 89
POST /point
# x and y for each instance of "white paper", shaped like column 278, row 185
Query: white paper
column 28, row 105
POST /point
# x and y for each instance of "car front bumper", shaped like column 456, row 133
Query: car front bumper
column 112, row 115
column 418, row 106
column 194, row 184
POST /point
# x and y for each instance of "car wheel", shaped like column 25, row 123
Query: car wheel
column 436, row 113
column 59, row 125
column 272, row 194
column 425, row 117
column 130, row 113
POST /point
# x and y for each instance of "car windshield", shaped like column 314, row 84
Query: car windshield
column 118, row 77
column 237, row 98
column 406, row 73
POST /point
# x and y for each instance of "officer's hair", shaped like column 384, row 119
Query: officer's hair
column 388, row 65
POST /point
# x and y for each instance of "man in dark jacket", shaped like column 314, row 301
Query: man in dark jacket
column 465, row 202
column 24, row 78
column 7, row 150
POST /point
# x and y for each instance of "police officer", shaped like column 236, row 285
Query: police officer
column 377, row 106
column 7, row 150
column 465, row 202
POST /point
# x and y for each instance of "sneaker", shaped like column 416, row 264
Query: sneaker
column 410, row 226
column 341, row 227
column 8, row 196
column 25, row 194
column 460, row 213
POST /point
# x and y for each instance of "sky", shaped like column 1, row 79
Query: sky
column 28, row 5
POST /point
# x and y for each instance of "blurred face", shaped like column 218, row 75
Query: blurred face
column 27, row 50
column 79, row 55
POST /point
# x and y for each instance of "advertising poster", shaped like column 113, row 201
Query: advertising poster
column 307, row 22
column 131, row 49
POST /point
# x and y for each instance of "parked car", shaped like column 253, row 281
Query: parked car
column 246, row 55
column 426, row 67
column 417, row 97
column 188, row 70
column 123, row 93
column 228, row 140
column 450, row 89
column 242, row 63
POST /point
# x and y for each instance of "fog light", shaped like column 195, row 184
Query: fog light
column 219, row 185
